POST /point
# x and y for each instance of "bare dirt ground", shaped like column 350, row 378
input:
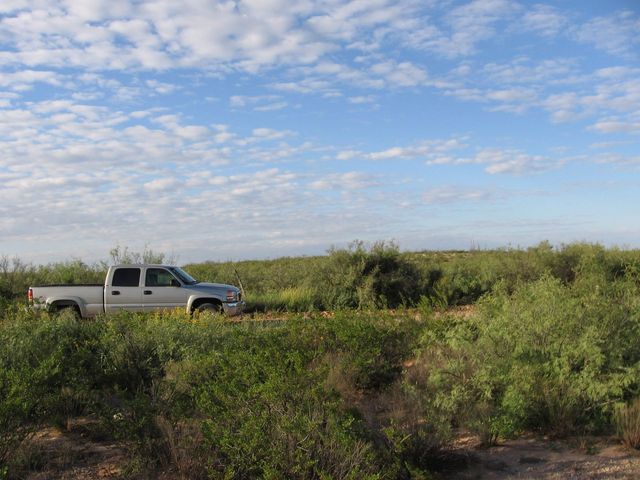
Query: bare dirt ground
column 72, row 453
column 592, row 458
column 75, row 453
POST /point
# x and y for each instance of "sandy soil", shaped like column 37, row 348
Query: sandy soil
column 75, row 453
column 541, row 458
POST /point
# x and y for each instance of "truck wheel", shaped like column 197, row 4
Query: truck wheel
column 69, row 311
column 210, row 308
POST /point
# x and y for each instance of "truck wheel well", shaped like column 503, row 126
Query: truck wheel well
column 61, row 305
column 202, row 301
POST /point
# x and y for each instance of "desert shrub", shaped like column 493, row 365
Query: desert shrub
column 259, row 277
column 54, row 356
column 123, row 254
column 268, row 414
column 257, row 395
column 358, row 277
column 15, row 277
column 135, row 352
column 463, row 282
column 267, row 407
column 259, row 390
column 70, row 272
column 362, row 276
column 16, row 414
column 462, row 278
column 412, row 427
column 550, row 356
column 373, row 346
column 48, row 370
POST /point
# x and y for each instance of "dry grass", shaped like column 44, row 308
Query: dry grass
column 627, row 420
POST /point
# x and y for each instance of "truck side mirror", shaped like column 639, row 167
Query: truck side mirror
column 175, row 283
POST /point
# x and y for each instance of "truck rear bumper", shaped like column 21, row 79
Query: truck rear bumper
column 233, row 308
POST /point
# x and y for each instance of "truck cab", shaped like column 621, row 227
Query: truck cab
column 163, row 287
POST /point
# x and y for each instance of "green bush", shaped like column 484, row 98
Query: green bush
column 268, row 414
column 358, row 277
column 253, row 400
column 16, row 414
column 550, row 356
column 48, row 373
column 373, row 346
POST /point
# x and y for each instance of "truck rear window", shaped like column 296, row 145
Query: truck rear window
column 126, row 277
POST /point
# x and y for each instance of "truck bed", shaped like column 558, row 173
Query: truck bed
column 88, row 297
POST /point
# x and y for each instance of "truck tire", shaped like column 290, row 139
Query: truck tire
column 69, row 311
column 211, row 308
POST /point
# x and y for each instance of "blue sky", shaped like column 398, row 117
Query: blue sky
column 250, row 129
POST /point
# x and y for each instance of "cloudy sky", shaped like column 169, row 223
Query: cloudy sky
column 219, row 130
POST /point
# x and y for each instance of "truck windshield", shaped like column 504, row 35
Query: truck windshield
column 183, row 276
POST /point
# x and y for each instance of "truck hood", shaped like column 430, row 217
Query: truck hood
column 215, row 286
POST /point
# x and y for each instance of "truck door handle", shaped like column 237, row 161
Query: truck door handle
column 148, row 292
column 115, row 292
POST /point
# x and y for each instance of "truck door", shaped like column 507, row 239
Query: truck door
column 162, row 290
column 125, row 292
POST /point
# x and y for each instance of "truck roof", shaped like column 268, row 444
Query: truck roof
column 139, row 265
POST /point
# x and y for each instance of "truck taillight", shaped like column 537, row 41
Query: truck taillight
column 30, row 295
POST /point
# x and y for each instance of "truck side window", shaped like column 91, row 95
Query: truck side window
column 158, row 277
column 126, row 277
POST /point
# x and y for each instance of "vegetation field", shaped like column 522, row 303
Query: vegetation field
column 370, row 370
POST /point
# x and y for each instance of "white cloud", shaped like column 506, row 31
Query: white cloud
column 270, row 133
column 307, row 85
column 362, row 99
column 512, row 99
column 153, row 178
column 616, row 126
column 427, row 149
column 373, row 73
column 451, row 152
column 543, row 19
column 160, row 109
column 464, row 28
column 525, row 70
column 271, row 107
column 25, row 79
column 618, row 159
column 218, row 35
column 556, row 86
column 161, row 87
column 512, row 161
column 258, row 103
column 348, row 154
column 456, row 194
column 617, row 34
column 160, row 184
column 611, row 93
column 403, row 74
column 344, row 181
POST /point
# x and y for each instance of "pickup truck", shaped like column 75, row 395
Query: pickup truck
column 140, row 288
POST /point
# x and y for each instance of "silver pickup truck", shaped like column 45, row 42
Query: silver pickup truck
column 140, row 288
